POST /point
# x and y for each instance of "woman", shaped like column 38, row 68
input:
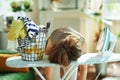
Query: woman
column 63, row 46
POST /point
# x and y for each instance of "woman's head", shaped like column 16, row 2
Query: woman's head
column 64, row 45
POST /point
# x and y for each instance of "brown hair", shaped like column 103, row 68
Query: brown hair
column 67, row 46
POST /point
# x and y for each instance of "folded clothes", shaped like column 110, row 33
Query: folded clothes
column 22, row 27
column 22, row 33
column 15, row 30
column 31, row 27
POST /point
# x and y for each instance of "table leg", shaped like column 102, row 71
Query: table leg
column 38, row 72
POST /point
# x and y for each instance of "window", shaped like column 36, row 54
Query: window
column 111, row 9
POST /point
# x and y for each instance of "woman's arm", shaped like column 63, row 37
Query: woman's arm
column 82, row 69
column 48, row 73
column 82, row 73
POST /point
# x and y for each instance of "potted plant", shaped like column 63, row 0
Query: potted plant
column 21, row 6
column 16, row 6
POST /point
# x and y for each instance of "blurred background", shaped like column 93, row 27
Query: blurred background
column 88, row 17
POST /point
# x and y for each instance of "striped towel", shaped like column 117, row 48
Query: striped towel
column 31, row 27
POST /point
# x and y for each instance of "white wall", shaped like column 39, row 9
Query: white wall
column 115, row 29
column 74, row 19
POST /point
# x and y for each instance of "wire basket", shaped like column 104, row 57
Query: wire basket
column 33, row 49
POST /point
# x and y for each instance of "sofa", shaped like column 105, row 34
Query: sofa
column 8, row 73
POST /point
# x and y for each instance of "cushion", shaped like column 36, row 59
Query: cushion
column 17, row 75
column 3, row 56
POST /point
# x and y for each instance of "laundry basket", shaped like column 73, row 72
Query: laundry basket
column 33, row 49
